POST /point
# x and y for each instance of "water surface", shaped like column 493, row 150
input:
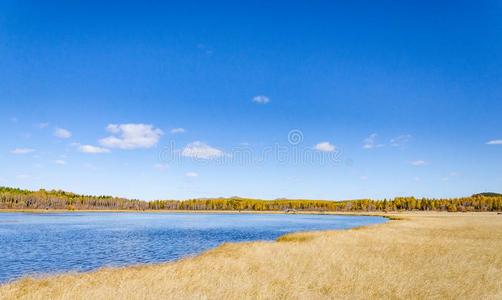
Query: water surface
column 32, row 244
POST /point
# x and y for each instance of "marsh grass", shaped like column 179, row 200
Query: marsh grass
column 421, row 256
column 297, row 237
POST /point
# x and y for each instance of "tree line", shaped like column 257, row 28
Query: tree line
column 13, row 198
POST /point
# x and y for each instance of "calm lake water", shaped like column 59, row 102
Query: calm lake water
column 32, row 244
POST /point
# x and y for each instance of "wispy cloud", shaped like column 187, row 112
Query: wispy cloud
column 23, row 176
column 191, row 174
column 60, row 162
column 131, row 136
column 370, row 142
column 42, row 125
column 19, row 151
column 325, row 147
column 62, row 133
column 452, row 174
column 203, row 47
column 261, row 99
column 178, row 130
column 494, row 142
column 161, row 167
column 201, row 150
column 418, row 163
column 92, row 149
column 401, row 140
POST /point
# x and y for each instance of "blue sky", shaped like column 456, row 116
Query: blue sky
column 196, row 99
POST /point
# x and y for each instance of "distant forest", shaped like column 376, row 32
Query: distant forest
column 13, row 198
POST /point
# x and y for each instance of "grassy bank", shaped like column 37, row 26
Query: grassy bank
column 436, row 255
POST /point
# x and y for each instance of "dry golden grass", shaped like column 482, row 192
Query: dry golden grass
column 422, row 256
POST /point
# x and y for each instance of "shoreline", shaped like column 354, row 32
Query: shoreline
column 244, row 212
column 156, row 211
column 388, row 214
column 185, row 272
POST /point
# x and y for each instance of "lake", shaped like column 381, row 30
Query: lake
column 34, row 244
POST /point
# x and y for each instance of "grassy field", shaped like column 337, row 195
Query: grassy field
column 436, row 255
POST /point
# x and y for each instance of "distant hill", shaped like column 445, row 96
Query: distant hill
column 488, row 194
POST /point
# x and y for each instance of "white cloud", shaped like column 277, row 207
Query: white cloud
column 92, row 149
column 494, row 142
column 400, row 140
column 418, row 163
column 261, row 99
column 200, row 150
column 131, row 136
column 178, row 130
column 42, row 125
column 191, row 174
column 62, row 133
column 370, row 142
column 325, row 147
column 161, row 167
column 22, row 151
column 60, row 162
column 23, row 176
